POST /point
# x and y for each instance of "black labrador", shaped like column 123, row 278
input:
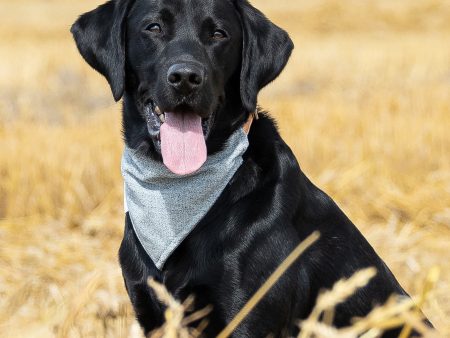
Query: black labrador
column 212, row 57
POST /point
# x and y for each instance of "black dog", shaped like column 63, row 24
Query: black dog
column 211, row 58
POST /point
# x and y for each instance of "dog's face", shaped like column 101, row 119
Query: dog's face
column 182, row 54
column 190, row 70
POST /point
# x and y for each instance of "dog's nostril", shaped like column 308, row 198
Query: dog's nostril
column 195, row 79
column 174, row 78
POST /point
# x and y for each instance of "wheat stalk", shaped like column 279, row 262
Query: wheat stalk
column 276, row 275
column 340, row 292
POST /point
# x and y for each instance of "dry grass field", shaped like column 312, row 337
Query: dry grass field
column 364, row 103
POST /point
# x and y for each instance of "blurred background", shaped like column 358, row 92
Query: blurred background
column 364, row 103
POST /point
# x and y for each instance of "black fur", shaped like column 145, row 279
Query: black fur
column 268, row 208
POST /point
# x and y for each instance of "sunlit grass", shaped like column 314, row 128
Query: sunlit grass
column 364, row 103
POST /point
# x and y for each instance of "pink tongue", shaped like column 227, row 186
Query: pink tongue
column 183, row 145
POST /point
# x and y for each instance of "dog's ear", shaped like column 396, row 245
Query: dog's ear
column 100, row 38
column 266, row 51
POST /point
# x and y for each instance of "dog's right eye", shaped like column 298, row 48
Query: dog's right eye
column 219, row 35
column 154, row 28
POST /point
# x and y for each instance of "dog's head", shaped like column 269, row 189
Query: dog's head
column 189, row 70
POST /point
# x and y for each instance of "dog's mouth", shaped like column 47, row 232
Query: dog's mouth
column 156, row 118
column 180, row 136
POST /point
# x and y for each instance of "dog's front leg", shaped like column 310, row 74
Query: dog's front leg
column 137, row 268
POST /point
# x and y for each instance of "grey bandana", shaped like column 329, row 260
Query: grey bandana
column 164, row 208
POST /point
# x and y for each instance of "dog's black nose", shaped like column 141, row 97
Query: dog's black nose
column 185, row 78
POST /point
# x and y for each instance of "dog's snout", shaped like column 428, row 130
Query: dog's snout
column 185, row 78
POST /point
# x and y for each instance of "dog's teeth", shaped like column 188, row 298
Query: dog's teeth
column 157, row 110
column 162, row 117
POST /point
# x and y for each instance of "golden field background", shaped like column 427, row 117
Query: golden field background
column 364, row 103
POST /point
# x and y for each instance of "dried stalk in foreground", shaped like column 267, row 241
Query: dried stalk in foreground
column 430, row 283
column 176, row 324
column 340, row 292
column 269, row 284
column 396, row 312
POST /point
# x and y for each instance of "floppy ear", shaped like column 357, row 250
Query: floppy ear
column 266, row 51
column 100, row 38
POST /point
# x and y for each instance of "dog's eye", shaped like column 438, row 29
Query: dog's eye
column 219, row 35
column 154, row 28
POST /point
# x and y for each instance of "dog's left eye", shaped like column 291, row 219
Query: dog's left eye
column 154, row 28
column 219, row 35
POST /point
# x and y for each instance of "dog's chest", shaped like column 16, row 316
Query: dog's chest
column 165, row 208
